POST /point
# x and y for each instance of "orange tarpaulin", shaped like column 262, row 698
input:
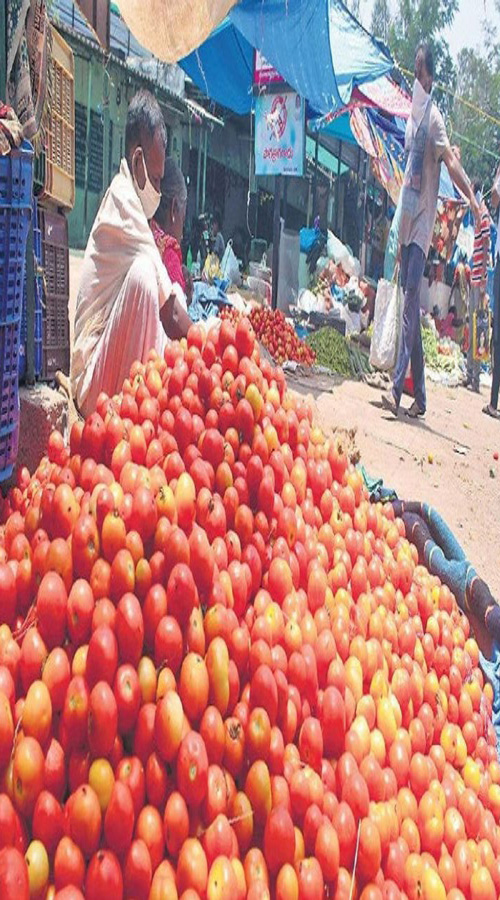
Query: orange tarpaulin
column 171, row 30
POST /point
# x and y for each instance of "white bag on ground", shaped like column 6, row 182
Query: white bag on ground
column 230, row 266
column 386, row 325
column 288, row 278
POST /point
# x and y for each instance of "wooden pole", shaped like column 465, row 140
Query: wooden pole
column 276, row 237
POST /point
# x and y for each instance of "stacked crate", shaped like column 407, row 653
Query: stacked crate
column 38, row 284
column 55, row 254
column 16, row 188
column 55, row 188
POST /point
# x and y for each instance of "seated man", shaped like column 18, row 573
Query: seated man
column 126, row 303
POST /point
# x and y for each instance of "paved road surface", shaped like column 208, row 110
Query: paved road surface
column 459, row 486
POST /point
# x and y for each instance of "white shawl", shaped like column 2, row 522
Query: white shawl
column 119, row 235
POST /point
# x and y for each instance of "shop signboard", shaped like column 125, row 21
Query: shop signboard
column 264, row 73
column 279, row 134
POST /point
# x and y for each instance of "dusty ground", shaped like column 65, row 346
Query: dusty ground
column 459, row 486
column 420, row 460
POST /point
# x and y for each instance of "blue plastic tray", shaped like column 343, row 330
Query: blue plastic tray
column 16, row 188
column 16, row 191
column 16, row 178
column 9, row 445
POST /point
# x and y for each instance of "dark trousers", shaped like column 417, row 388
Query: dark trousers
column 412, row 270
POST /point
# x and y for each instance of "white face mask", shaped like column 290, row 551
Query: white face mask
column 148, row 195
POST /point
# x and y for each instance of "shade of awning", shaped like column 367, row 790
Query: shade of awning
column 328, row 161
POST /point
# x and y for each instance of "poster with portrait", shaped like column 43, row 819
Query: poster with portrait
column 279, row 134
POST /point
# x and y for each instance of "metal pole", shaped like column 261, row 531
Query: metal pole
column 3, row 54
column 204, row 187
column 87, row 148
column 356, row 219
column 337, row 189
column 315, row 175
column 276, row 237
column 198, row 175
column 106, row 175
column 363, row 224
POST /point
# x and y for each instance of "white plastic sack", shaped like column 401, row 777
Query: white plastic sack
column 352, row 319
column 309, row 302
column 230, row 266
column 335, row 249
column 351, row 265
column 386, row 325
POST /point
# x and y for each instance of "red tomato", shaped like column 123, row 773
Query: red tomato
column 103, row 719
column 104, row 876
column 192, row 768
column 14, row 884
column 119, row 819
column 51, row 607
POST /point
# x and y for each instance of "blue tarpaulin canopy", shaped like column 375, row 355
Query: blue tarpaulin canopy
column 223, row 68
column 318, row 47
column 337, row 130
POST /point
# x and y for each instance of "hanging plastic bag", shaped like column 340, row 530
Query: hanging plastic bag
column 386, row 324
column 230, row 266
column 308, row 238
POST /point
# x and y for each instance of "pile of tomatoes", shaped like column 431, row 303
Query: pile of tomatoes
column 223, row 673
column 276, row 334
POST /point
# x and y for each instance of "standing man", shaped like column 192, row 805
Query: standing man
column 491, row 409
column 477, row 296
column 427, row 146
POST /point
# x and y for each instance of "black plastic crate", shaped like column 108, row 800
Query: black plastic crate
column 55, row 318
column 54, row 359
column 55, row 252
